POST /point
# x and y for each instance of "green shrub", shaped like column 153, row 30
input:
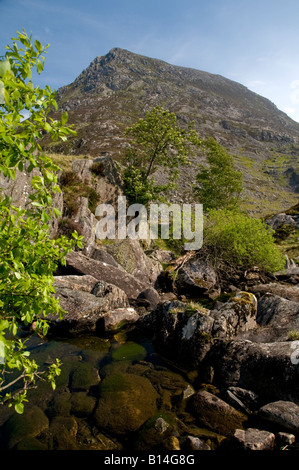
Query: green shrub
column 241, row 241
column 218, row 185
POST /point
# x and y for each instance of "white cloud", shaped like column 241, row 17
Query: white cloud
column 295, row 93
column 292, row 112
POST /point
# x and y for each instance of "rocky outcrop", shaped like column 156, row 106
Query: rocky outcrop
column 19, row 190
column 102, row 174
column 267, row 369
column 85, row 221
column 283, row 219
column 196, row 278
column 235, row 316
column 279, row 312
column 129, row 254
column 186, row 332
column 81, row 264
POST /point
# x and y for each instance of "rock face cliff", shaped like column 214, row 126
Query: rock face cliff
column 115, row 90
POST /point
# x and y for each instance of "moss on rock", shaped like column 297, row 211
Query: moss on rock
column 126, row 402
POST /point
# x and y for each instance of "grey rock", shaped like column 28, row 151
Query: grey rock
column 242, row 399
column 86, row 301
column 129, row 254
column 87, row 222
column 289, row 292
column 113, row 295
column 83, row 310
column 114, row 319
column 254, row 439
column 279, row 315
column 82, row 283
column 266, row 369
column 197, row 277
column 178, row 335
column 194, row 443
column 236, row 315
column 20, row 189
column 101, row 254
column 282, row 219
column 284, row 414
column 151, row 296
column 285, row 438
column 108, row 184
column 82, row 264
column 187, row 335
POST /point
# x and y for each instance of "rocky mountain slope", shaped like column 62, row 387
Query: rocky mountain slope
column 116, row 89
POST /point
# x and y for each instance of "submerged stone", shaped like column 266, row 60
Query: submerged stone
column 30, row 424
column 216, row 414
column 129, row 352
column 126, row 402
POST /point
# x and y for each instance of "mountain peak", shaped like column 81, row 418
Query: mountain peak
column 116, row 89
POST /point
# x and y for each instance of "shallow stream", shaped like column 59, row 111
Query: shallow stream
column 114, row 393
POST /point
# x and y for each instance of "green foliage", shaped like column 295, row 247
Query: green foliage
column 156, row 141
column 29, row 255
column 239, row 240
column 293, row 335
column 219, row 185
column 140, row 189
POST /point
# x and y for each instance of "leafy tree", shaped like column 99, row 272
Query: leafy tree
column 236, row 239
column 219, row 186
column 29, row 255
column 156, row 141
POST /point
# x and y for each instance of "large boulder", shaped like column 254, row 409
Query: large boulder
column 196, row 278
column 277, row 316
column 19, row 427
column 186, row 332
column 284, row 415
column 87, row 302
column 78, row 263
column 116, row 318
column 269, row 370
column 129, row 254
column 180, row 334
column 236, row 315
column 126, row 402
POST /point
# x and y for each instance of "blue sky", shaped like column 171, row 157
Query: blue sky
column 253, row 42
